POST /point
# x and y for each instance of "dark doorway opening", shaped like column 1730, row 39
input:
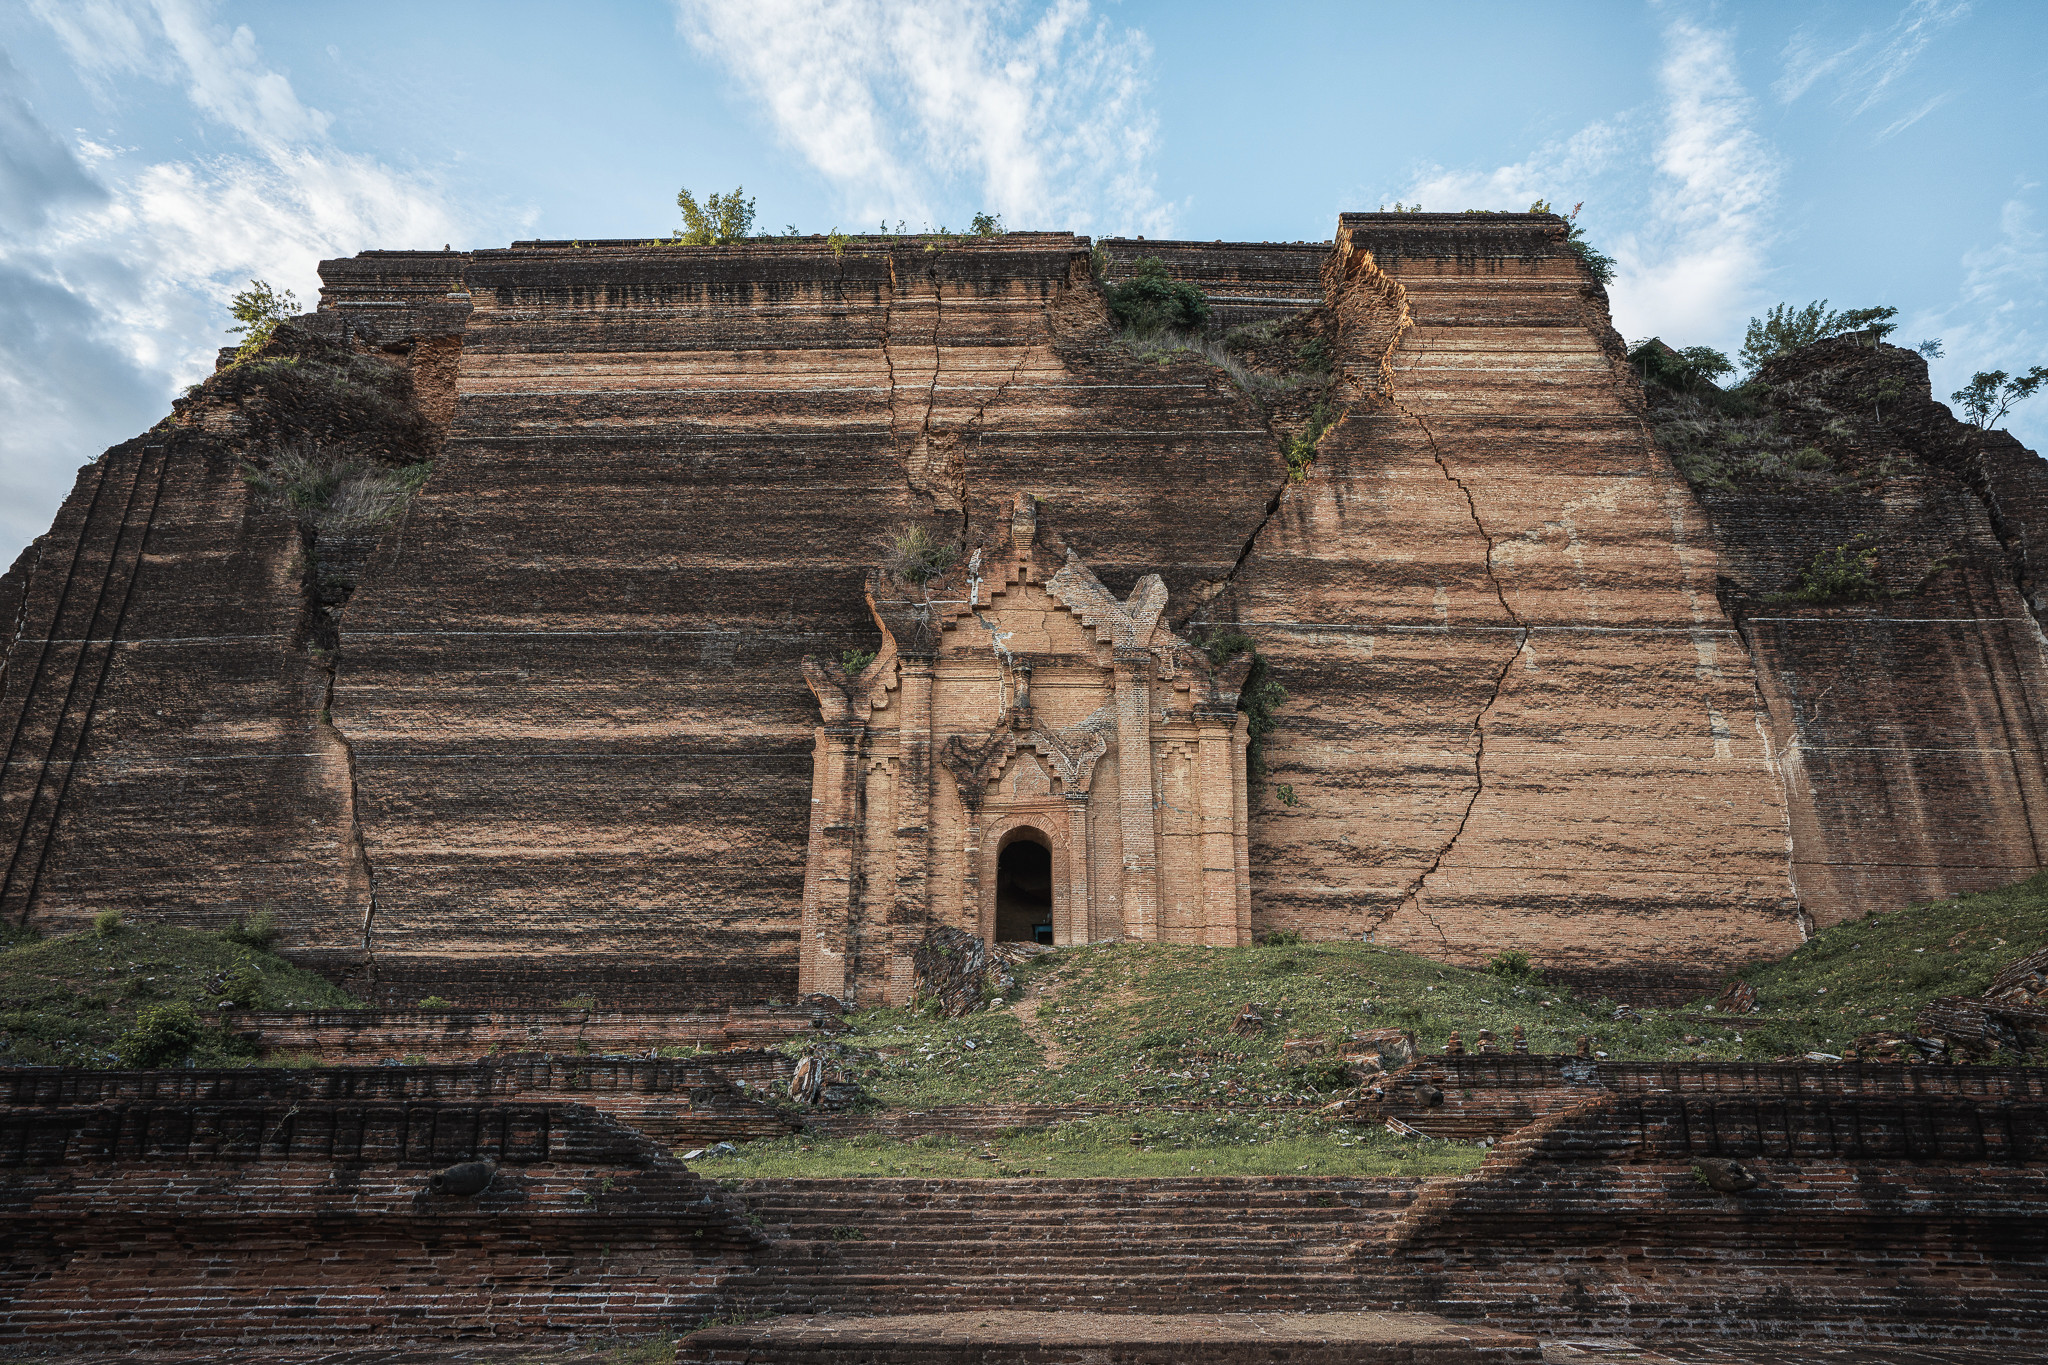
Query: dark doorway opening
column 1024, row 893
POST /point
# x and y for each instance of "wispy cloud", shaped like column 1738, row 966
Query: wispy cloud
column 1690, row 239
column 1863, row 70
column 1900, row 125
column 1695, row 264
column 1993, row 320
column 117, row 271
column 916, row 109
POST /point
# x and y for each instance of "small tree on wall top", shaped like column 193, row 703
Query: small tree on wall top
column 1990, row 394
column 258, row 309
column 721, row 218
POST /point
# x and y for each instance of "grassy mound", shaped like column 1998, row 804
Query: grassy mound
column 142, row 994
column 1878, row 971
column 1147, row 1027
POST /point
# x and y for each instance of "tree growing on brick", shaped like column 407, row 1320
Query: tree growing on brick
column 720, row 219
column 1990, row 394
column 258, row 309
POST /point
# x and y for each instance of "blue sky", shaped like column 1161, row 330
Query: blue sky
column 156, row 154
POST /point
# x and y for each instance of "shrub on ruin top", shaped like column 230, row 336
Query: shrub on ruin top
column 917, row 556
column 257, row 311
column 720, row 219
column 1785, row 329
column 107, row 923
column 1687, row 370
column 1152, row 301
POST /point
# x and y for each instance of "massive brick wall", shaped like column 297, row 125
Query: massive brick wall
column 584, row 731
column 283, row 1220
column 556, row 743
column 1518, row 717
column 1909, row 727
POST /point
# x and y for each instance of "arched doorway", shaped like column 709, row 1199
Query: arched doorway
column 1024, row 889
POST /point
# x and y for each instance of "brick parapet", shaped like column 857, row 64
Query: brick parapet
column 450, row 1034
column 1490, row 1095
column 671, row 1102
column 1885, row 1216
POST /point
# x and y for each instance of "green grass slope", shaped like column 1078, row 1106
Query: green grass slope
column 73, row 1001
column 1148, row 1027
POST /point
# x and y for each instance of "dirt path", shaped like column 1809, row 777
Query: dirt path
column 1040, row 999
column 1037, row 999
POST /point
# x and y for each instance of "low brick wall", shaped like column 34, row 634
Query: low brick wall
column 445, row 1035
column 1490, row 1095
column 671, row 1102
column 1878, row 1216
column 285, row 1220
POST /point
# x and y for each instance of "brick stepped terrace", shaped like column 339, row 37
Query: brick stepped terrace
column 1002, row 1337
column 1141, row 1245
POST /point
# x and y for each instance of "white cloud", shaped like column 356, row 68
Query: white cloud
column 1864, row 69
column 1694, row 266
column 1544, row 174
column 1697, row 227
column 121, row 269
column 917, row 109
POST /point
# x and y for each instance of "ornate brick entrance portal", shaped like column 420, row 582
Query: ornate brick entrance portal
column 1026, row 757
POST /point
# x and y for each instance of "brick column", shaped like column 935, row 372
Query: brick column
column 1218, row 804
column 1240, row 784
column 910, row 909
column 1136, row 818
column 1080, row 924
column 828, row 872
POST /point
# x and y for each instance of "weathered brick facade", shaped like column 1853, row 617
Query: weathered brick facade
column 547, row 736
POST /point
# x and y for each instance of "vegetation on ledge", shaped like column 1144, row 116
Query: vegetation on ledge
column 1146, row 1031
column 1145, row 1024
column 145, row 994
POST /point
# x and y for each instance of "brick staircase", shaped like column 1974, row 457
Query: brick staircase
column 1153, row 1245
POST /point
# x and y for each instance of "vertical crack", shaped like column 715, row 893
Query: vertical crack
column 1412, row 894
column 1360, row 296
column 925, row 459
column 358, row 848
column 888, row 335
column 931, row 393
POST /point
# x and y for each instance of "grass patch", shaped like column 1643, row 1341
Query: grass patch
column 1150, row 1024
column 1157, row 1142
column 1879, row 971
column 73, row 1001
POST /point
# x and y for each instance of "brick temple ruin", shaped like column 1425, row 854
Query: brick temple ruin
column 1097, row 766
column 609, row 702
